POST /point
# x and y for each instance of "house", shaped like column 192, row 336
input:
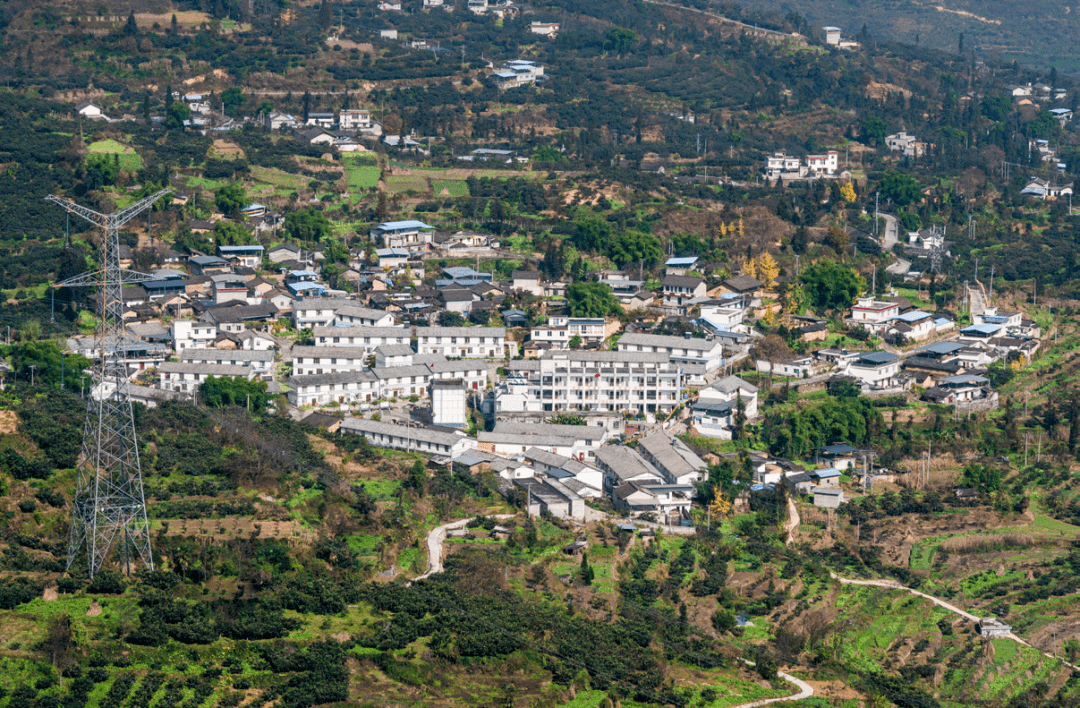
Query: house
column 580, row 442
column 545, row 29
column 993, row 628
column 401, row 437
column 248, row 256
column 679, row 266
column 389, row 33
column 669, row 500
column 519, row 72
column 277, row 120
column 779, row 165
column 907, row 145
column 237, row 318
column 89, row 109
column 561, row 329
column 966, row 392
column 622, row 465
column 826, row 477
column 911, row 326
column 228, row 287
column 283, row 252
column 349, row 314
column 1044, row 189
column 307, row 361
column 680, row 289
column 389, row 5
column 368, row 337
column 354, row 119
column 258, row 362
column 840, row 456
column 801, row 368
column 868, row 311
column 515, row 318
column 527, row 281
column 826, row 164
column 675, row 460
column 742, row 285
column 828, row 497
column 551, row 497
column 345, row 387
column 189, row 334
column 449, row 403
column 1063, row 115
column 205, row 265
column 832, row 35
column 875, row 369
column 409, row 234
column 186, row 377
column 585, row 480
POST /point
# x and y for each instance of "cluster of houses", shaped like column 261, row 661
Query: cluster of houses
column 780, row 166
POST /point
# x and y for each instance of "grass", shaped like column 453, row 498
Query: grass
column 361, row 172
column 454, row 187
column 130, row 161
column 399, row 185
column 381, row 489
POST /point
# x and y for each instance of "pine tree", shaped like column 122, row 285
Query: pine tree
column 174, row 24
column 307, row 105
column 131, row 29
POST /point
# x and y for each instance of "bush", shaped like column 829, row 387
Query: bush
column 107, row 581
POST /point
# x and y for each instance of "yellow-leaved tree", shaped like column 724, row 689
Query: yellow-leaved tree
column 720, row 508
column 740, row 227
column 847, row 192
column 769, row 318
column 749, row 267
column 767, row 269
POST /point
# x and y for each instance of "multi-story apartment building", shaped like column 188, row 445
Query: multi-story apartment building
column 328, row 360
column 464, row 342
column 259, row 362
column 370, row 338
column 186, row 376
column 630, row 382
column 190, row 334
column 560, row 330
column 690, row 350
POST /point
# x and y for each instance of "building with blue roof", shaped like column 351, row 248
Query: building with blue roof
column 679, row 266
column 980, row 332
column 458, row 274
column 164, row 287
column 410, row 234
column 874, row 369
column 306, row 289
column 248, row 256
column 937, row 350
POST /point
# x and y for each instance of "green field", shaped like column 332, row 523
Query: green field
column 361, row 172
column 454, row 188
column 129, row 159
column 399, row 185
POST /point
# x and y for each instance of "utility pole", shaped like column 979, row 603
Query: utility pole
column 990, row 295
column 33, row 368
column 1027, row 437
column 877, row 200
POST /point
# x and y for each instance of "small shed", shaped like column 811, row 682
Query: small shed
column 500, row 532
column 576, row 548
column 828, row 497
column 992, row 627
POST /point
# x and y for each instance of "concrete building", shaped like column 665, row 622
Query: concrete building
column 191, row 334
column 551, row 496
column 675, row 460
column 464, row 342
column 828, row 497
column 260, row 363
column 369, row 338
column 687, row 350
column 560, row 330
column 410, row 234
column 328, row 360
column 449, row 403
column 621, row 465
column 187, row 376
column 401, row 437
column 346, row 387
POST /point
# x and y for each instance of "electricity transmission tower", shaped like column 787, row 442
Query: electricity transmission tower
column 109, row 507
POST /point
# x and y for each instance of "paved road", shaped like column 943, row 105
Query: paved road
column 793, row 521
column 891, row 231
column 437, row 537
column 805, row 690
column 977, row 298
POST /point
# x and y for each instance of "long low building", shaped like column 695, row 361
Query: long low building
column 400, row 437
column 328, row 360
column 261, row 362
column 324, row 389
column 370, row 338
column 691, row 350
column 463, row 342
column 186, row 376
column 351, row 384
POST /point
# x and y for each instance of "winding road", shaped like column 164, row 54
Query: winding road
column 437, row 537
column 805, row 690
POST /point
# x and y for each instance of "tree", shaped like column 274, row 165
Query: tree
column 588, row 299
column 847, row 192
column 60, row 644
column 232, row 98
column 575, row 342
column 837, row 240
column 592, row 231
column 831, row 286
column 231, row 233
column 131, row 28
column 767, row 269
column 800, row 240
column 450, row 319
column 175, row 115
column 231, row 198
column 634, row 247
column 901, row 188
column 309, row 225
column 234, row 391
column 873, row 129
column 720, row 508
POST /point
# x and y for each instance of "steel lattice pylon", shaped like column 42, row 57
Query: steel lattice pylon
column 109, row 501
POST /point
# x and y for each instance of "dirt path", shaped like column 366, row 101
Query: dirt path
column 793, row 521
column 893, row 585
column 436, row 539
column 805, row 690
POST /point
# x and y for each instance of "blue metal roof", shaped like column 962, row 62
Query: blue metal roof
column 407, row 225
column 392, row 252
column 913, row 316
column 838, row 449
column 301, row 287
column 303, row 274
column 559, row 473
column 877, row 357
column 680, row 262
column 984, row 329
column 942, row 347
column 240, row 249
column 826, row 473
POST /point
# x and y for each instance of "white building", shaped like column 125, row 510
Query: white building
column 519, row 72
column 187, row 376
column 328, row 360
column 403, row 437
column 323, row 389
column 191, row 334
column 350, row 315
column 675, row 460
column 868, row 311
column 634, row 382
column 463, row 342
column 546, row 29
column 907, row 145
column 354, row 119
column 717, row 404
column 449, row 403
column 560, row 330
column 580, row 442
column 680, row 289
column 370, row 338
column 410, row 234
column 876, row 369
column 689, row 350
column 260, row 363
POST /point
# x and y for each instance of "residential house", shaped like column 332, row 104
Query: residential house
column 186, row 377
column 907, row 145
column 680, row 266
column 527, row 281
column 369, row 338
column 561, row 329
column 328, row 360
column 550, row 496
column 622, row 465
column 237, row 318
column 402, row 437
column 874, row 369
column 680, row 289
column 207, row 265
column 586, row 480
column 228, row 287
column 249, row 256
column 354, row 119
column 869, row 312
column 519, row 72
column 278, row 120
column 746, row 285
column 284, row 252
column 189, row 334
column 545, row 29
column 675, row 460
column 828, row 497
column 91, row 110
column 409, row 234
column 260, row 362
